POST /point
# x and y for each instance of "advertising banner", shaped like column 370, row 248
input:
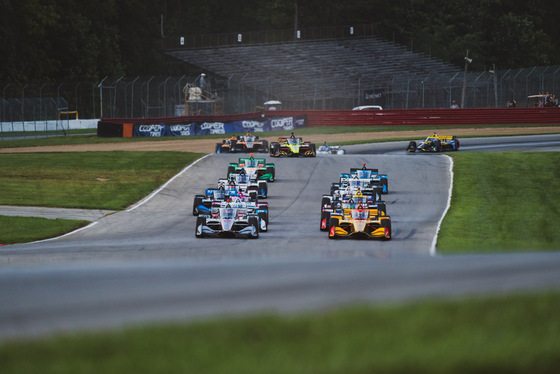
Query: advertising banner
column 209, row 128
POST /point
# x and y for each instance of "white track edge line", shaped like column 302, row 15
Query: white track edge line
column 68, row 233
column 154, row 193
column 434, row 241
column 128, row 210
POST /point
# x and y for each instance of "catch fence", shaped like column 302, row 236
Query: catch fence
column 144, row 97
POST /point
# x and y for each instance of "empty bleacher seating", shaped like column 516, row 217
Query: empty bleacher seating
column 314, row 70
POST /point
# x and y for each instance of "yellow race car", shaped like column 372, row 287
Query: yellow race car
column 292, row 147
column 435, row 143
column 354, row 220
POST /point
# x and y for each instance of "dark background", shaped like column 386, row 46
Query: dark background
column 79, row 40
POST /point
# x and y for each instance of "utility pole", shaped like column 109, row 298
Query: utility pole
column 467, row 62
column 296, row 18
column 100, row 86
column 495, row 84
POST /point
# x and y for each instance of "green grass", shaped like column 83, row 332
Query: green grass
column 514, row 334
column 27, row 229
column 95, row 180
column 503, row 201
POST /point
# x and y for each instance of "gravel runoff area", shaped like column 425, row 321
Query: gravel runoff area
column 208, row 145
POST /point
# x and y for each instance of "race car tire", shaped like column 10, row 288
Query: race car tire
column 385, row 182
column 224, row 149
column 253, row 195
column 263, row 189
column 264, row 147
column 197, row 201
column 218, row 147
column 230, row 169
column 411, row 146
column 253, row 192
column 382, row 208
column 457, row 145
column 313, row 149
column 274, row 149
column 325, row 217
column 334, row 187
column 254, row 221
column 270, row 170
column 232, row 145
column 333, row 222
column 325, row 200
column 199, row 221
column 264, row 217
column 387, row 223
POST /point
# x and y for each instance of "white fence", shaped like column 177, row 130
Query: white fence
column 36, row 126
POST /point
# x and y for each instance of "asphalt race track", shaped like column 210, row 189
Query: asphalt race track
column 145, row 264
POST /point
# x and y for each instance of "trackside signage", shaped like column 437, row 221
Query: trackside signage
column 208, row 128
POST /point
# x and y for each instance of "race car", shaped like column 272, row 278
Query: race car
column 242, row 182
column 202, row 203
column 369, row 179
column 292, row 147
column 335, row 204
column 326, row 149
column 356, row 221
column 228, row 221
column 256, row 168
column 243, row 143
column 435, row 143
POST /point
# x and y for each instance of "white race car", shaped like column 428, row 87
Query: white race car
column 326, row 149
column 227, row 219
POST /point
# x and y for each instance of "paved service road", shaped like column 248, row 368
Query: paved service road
column 144, row 264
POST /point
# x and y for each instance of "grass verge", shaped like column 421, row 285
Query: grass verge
column 503, row 202
column 514, row 334
column 88, row 180
column 27, row 229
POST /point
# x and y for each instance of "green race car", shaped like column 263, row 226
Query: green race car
column 255, row 168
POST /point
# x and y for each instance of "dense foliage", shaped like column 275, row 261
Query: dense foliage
column 83, row 40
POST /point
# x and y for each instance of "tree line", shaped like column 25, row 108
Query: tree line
column 79, row 40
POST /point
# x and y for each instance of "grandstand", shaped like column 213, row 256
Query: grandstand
column 318, row 74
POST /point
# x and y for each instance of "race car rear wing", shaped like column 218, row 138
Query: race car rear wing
column 210, row 192
column 260, row 161
column 373, row 171
column 446, row 137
